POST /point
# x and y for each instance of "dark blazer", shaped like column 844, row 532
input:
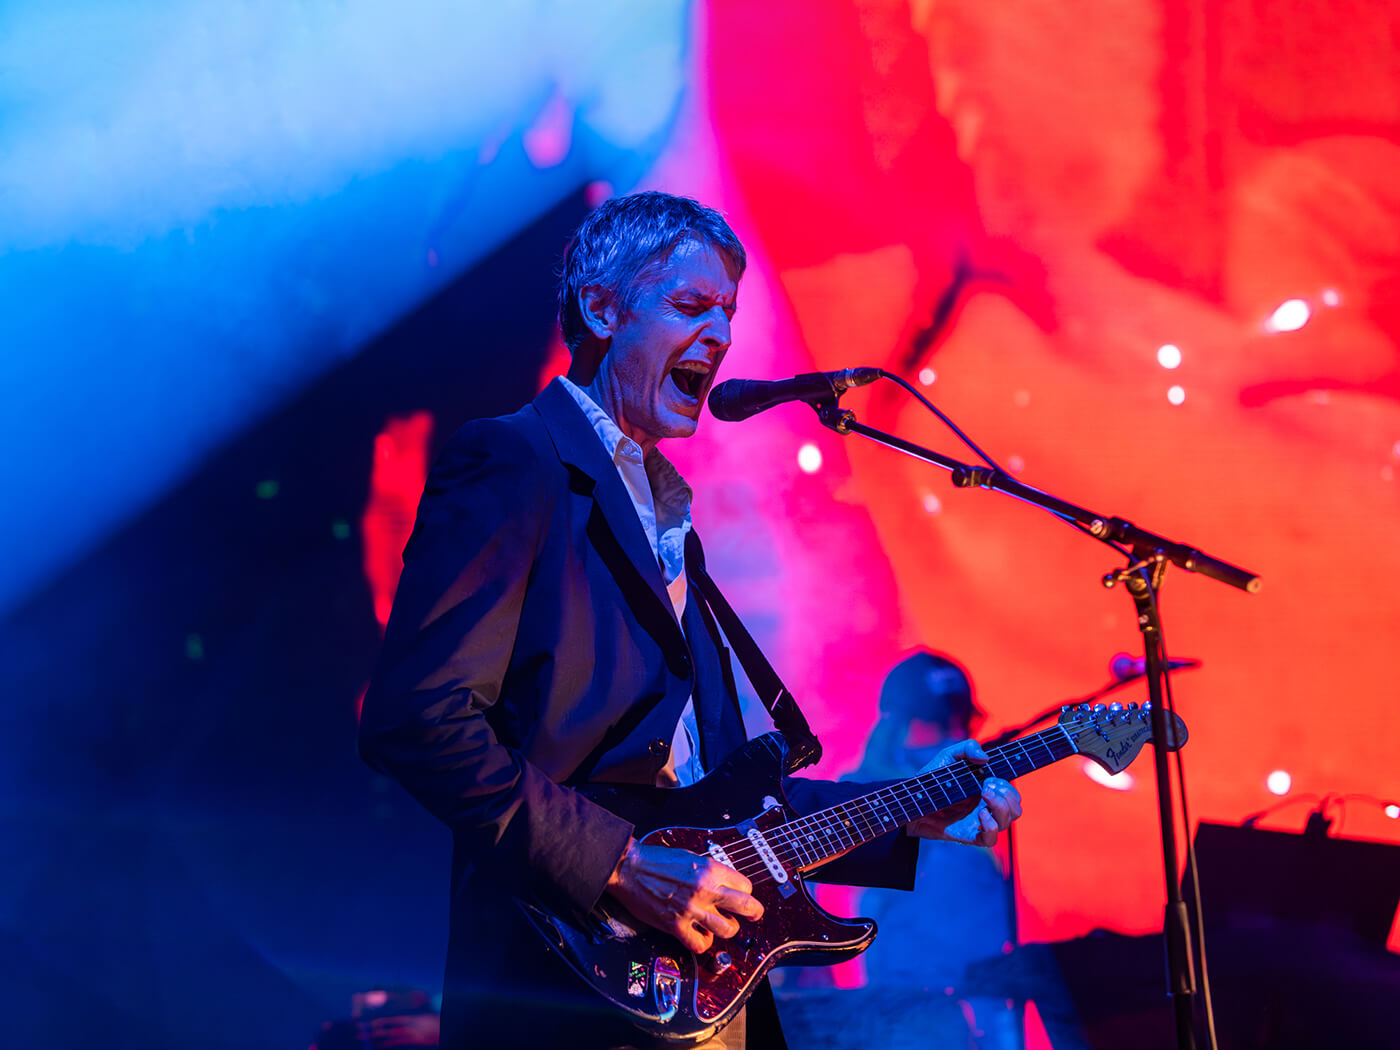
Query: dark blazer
column 532, row 646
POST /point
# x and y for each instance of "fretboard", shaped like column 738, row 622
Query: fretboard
column 825, row 835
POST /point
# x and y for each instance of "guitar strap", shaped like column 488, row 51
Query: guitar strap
column 803, row 746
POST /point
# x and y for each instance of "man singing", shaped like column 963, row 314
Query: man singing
column 542, row 639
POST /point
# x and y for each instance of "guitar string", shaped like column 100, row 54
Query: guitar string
column 789, row 849
column 810, row 838
column 797, row 843
column 789, row 841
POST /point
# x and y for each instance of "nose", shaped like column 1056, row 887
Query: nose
column 716, row 332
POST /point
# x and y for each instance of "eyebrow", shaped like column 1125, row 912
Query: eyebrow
column 691, row 292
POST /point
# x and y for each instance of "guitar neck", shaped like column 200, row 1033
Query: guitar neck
column 823, row 836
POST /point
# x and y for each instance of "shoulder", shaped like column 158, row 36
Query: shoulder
column 518, row 441
column 508, row 453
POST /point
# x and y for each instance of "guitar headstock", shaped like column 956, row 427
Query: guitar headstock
column 1113, row 734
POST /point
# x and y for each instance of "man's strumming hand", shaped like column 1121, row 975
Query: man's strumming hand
column 693, row 898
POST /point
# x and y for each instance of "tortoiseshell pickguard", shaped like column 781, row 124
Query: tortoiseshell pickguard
column 744, row 792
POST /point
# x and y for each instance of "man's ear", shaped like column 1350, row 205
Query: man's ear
column 598, row 308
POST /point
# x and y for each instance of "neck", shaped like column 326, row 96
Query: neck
column 821, row 837
column 606, row 396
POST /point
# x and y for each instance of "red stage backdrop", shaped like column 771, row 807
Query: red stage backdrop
column 1024, row 205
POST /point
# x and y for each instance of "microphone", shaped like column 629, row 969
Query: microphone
column 737, row 399
column 1124, row 666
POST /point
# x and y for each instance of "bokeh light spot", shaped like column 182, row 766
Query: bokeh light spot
column 1116, row 781
column 927, row 376
column 1169, row 355
column 1176, row 395
column 932, row 504
column 1279, row 782
column 809, row 459
column 1290, row 316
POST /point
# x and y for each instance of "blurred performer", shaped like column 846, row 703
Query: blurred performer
column 543, row 637
column 959, row 911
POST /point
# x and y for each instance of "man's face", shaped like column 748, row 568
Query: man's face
column 667, row 347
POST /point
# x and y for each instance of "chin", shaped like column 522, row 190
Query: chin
column 673, row 424
column 683, row 429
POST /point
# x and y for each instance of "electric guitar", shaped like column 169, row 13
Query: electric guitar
column 737, row 814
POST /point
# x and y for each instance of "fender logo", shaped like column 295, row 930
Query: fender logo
column 1113, row 754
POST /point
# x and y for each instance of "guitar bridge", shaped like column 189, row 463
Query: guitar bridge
column 666, row 986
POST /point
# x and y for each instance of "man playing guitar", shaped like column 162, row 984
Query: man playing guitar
column 544, row 640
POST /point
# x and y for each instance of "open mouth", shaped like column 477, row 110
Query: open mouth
column 689, row 380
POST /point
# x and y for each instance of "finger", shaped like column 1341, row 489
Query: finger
column 697, row 938
column 987, row 828
column 1003, row 800
column 719, row 924
column 739, row 903
column 963, row 751
column 972, row 752
column 717, row 876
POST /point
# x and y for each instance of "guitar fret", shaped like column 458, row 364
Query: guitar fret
column 818, row 837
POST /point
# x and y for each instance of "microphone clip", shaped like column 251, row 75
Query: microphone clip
column 833, row 416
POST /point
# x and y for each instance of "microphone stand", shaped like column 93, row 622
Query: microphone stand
column 1142, row 579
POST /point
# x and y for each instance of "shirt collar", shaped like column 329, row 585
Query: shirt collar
column 671, row 491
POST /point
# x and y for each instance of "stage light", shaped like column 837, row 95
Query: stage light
column 932, row 503
column 1169, row 355
column 1114, row 781
column 595, row 193
column 927, row 376
column 809, row 459
column 1279, row 782
column 1393, row 811
column 1290, row 316
column 1176, row 395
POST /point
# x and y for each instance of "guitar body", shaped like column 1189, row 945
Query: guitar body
column 737, row 814
column 668, row 992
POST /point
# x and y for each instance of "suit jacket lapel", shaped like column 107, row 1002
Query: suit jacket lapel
column 579, row 448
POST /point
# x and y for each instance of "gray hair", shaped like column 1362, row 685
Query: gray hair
column 619, row 243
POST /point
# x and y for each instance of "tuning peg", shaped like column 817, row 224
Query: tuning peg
column 1115, row 711
column 1066, row 709
column 1133, row 706
column 1100, row 710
